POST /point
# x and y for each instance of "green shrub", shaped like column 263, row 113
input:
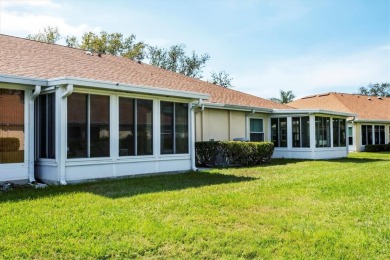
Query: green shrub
column 377, row 147
column 9, row 144
column 229, row 153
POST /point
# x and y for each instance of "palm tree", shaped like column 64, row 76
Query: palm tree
column 285, row 97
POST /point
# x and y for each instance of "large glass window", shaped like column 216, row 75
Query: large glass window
column 126, row 127
column 339, row 134
column 256, row 133
column 11, row 126
column 279, row 131
column 301, row 131
column 350, row 135
column 144, row 127
column 379, row 134
column 99, row 111
column 135, row 126
column 367, row 134
column 88, row 126
column 45, row 125
column 322, row 130
column 174, row 127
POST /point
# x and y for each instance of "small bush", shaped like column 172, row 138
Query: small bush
column 229, row 153
column 377, row 147
column 9, row 144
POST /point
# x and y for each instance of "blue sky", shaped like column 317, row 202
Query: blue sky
column 305, row 46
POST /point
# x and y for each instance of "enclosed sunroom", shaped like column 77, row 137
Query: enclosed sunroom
column 74, row 130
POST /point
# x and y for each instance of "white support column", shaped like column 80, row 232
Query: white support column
column 289, row 133
column 156, row 131
column 114, row 131
column 312, row 133
column 62, row 130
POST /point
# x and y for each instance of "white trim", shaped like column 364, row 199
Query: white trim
column 99, row 84
column 311, row 111
column 248, row 125
column 118, row 86
column 23, row 80
column 236, row 107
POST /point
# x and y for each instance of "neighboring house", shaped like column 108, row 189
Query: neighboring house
column 68, row 116
column 371, row 125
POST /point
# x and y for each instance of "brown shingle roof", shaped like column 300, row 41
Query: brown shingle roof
column 22, row 57
column 366, row 107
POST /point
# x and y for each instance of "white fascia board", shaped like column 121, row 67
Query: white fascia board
column 312, row 111
column 380, row 121
column 236, row 107
column 22, row 80
column 98, row 84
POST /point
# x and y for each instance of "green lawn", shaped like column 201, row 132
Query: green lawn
column 289, row 209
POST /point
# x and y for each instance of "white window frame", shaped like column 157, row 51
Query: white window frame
column 248, row 127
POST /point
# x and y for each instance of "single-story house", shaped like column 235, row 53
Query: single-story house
column 371, row 125
column 67, row 115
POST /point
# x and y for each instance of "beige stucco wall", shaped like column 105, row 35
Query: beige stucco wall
column 225, row 125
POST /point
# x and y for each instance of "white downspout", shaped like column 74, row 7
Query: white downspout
column 68, row 91
column 192, row 138
column 31, row 148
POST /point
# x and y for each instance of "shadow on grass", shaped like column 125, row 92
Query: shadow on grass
column 126, row 187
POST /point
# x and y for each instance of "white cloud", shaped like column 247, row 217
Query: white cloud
column 11, row 3
column 314, row 74
column 17, row 24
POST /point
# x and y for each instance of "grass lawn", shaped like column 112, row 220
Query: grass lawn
column 289, row 209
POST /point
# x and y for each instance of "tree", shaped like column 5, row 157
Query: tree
column 285, row 97
column 176, row 60
column 379, row 90
column 113, row 43
column 71, row 41
column 221, row 78
column 49, row 35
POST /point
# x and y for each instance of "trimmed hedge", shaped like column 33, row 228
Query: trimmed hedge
column 377, row 148
column 228, row 153
column 9, row 144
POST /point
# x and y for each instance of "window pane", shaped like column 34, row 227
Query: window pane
column 256, row 130
column 305, row 128
column 275, row 131
column 77, row 126
column 257, row 137
column 51, row 125
column 350, row 135
column 42, row 128
column 336, row 134
column 144, row 127
column 166, row 114
column 343, row 135
column 283, row 132
column 46, row 125
column 322, row 131
column 11, row 126
column 382, row 134
column 99, row 126
column 296, row 132
column 256, row 125
column 126, row 127
column 369, row 134
column 379, row 134
column 181, row 120
column 364, row 134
